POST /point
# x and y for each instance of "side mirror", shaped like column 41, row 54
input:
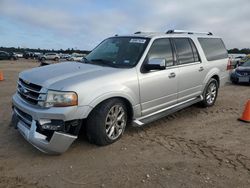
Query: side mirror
column 155, row 64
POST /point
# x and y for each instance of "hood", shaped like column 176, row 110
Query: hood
column 241, row 69
column 58, row 76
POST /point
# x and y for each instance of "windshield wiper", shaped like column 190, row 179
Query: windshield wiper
column 104, row 62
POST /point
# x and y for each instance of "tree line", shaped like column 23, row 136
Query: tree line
column 239, row 51
column 70, row 51
column 23, row 50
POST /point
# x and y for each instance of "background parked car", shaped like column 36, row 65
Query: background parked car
column 49, row 56
column 76, row 57
column 236, row 59
column 37, row 55
column 241, row 74
column 243, row 60
column 18, row 55
column 28, row 55
column 7, row 56
column 64, row 56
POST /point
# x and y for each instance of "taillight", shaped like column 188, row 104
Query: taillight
column 229, row 64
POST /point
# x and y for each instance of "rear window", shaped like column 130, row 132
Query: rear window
column 213, row 48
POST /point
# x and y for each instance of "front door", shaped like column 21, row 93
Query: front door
column 158, row 89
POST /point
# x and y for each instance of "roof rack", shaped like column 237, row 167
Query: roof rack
column 188, row 32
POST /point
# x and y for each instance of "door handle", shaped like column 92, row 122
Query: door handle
column 172, row 75
column 201, row 69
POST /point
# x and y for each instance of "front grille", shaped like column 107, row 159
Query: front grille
column 24, row 117
column 29, row 92
column 244, row 73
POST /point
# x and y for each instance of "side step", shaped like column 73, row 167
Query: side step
column 164, row 112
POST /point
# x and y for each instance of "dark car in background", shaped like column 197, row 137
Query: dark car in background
column 7, row 56
column 28, row 55
column 241, row 74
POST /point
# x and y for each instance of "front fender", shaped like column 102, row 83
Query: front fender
column 100, row 94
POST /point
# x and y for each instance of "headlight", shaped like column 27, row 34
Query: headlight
column 60, row 99
column 237, row 73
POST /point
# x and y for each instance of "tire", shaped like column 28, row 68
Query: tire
column 56, row 59
column 210, row 93
column 235, row 81
column 43, row 59
column 102, row 121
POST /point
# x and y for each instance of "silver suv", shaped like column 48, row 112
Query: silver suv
column 132, row 79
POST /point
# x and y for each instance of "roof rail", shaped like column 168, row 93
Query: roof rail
column 188, row 32
column 138, row 32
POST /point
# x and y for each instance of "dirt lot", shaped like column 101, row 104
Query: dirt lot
column 192, row 148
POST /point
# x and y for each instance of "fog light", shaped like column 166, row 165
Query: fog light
column 51, row 127
column 54, row 125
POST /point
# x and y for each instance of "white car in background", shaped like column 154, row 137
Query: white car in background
column 49, row 56
column 64, row 56
column 236, row 59
column 18, row 55
column 76, row 57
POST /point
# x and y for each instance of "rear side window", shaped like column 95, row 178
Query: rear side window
column 161, row 48
column 213, row 48
column 186, row 51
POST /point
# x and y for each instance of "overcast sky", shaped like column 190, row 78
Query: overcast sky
column 82, row 24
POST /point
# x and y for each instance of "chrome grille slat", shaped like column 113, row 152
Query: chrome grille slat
column 28, row 88
column 28, row 96
column 29, row 92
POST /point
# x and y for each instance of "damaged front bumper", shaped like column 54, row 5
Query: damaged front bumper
column 26, row 118
column 58, row 143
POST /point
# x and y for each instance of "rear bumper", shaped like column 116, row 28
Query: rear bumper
column 58, row 144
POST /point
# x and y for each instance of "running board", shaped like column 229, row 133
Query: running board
column 164, row 112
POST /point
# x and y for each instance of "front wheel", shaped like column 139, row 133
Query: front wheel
column 210, row 93
column 107, row 122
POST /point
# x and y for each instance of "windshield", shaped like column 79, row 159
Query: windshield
column 120, row 52
column 246, row 64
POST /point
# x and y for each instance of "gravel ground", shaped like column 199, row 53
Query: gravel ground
column 195, row 147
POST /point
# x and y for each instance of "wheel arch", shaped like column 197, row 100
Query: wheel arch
column 213, row 73
column 217, row 78
column 126, row 99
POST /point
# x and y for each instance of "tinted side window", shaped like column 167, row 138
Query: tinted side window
column 161, row 48
column 213, row 48
column 184, row 50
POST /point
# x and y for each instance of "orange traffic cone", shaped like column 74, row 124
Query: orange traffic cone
column 1, row 76
column 246, row 114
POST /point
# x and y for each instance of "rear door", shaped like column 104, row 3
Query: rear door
column 191, row 70
column 158, row 89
